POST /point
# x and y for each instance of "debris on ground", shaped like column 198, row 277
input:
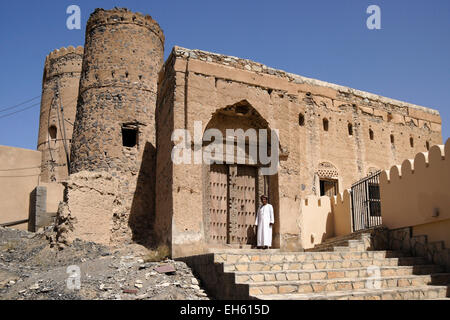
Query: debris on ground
column 31, row 270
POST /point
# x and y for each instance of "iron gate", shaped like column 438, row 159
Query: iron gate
column 366, row 206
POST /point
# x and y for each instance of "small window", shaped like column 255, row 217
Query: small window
column 53, row 132
column 392, row 139
column 371, row 136
column 328, row 188
column 325, row 124
column 427, row 144
column 389, row 117
column 301, row 119
column 411, row 142
column 130, row 136
column 350, row 129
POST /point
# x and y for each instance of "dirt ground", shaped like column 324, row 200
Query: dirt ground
column 31, row 270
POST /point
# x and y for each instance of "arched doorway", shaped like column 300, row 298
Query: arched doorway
column 233, row 186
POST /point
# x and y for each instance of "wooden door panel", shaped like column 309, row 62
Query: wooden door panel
column 245, row 205
column 218, row 212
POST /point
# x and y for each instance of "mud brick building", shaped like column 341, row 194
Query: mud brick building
column 123, row 185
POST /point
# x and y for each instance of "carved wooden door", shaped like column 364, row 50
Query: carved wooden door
column 218, row 206
column 244, row 190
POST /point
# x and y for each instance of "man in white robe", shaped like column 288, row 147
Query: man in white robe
column 264, row 222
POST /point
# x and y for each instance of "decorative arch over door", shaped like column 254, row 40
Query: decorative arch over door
column 233, row 190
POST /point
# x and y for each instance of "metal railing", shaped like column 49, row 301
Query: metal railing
column 366, row 205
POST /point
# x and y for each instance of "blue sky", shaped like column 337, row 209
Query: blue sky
column 408, row 59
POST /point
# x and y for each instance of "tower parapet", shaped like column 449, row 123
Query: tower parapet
column 62, row 70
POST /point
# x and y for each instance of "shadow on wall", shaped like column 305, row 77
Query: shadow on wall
column 342, row 214
column 142, row 215
column 329, row 227
column 275, row 202
column 317, row 222
column 418, row 191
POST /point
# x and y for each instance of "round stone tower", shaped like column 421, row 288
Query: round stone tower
column 115, row 124
column 58, row 107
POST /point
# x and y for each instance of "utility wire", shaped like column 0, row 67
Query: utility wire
column 63, row 128
column 32, row 175
column 24, row 109
column 17, row 169
column 18, row 105
column 29, row 107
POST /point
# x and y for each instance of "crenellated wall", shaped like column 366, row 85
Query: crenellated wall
column 417, row 194
column 341, row 208
column 316, row 221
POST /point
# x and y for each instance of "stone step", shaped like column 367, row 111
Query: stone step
column 262, row 256
column 340, row 243
column 410, row 293
column 343, row 284
column 340, row 248
column 323, row 274
column 351, row 236
column 323, row 264
column 351, row 248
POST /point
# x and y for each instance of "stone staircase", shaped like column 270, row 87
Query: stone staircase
column 341, row 269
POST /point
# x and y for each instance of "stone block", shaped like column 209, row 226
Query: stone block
column 320, row 265
column 280, row 277
column 255, row 267
column 276, row 267
column 269, row 277
column 305, row 288
column 287, row 289
column 309, row 266
column 242, row 267
column 255, row 291
column 269, row 290
column 336, row 274
column 400, row 283
column 257, row 277
column 343, row 286
column 318, row 275
column 292, row 276
column 318, row 287
column 277, row 258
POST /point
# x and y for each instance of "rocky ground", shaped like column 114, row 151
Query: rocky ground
column 31, row 270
